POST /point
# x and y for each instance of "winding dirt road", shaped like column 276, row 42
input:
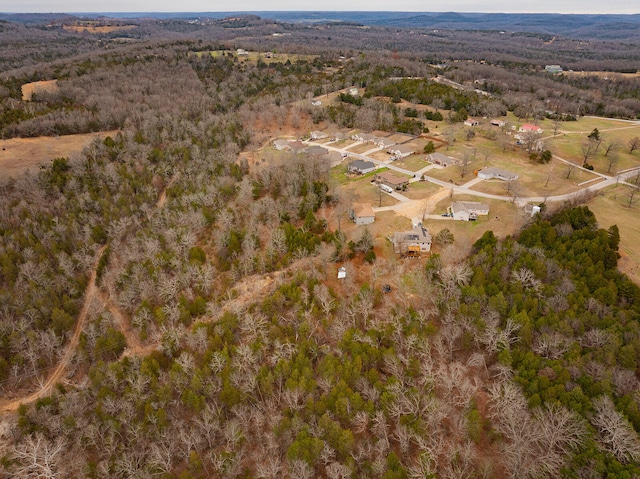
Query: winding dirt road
column 58, row 372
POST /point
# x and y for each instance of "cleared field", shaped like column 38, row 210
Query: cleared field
column 98, row 28
column 611, row 208
column 48, row 86
column 265, row 57
column 18, row 155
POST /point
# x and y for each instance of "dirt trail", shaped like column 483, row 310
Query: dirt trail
column 163, row 196
column 134, row 346
column 58, row 372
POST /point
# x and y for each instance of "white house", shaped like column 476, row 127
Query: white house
column 318, row 135
column 468, row 210
column 493, row 172
column 441, row 159
column 365, row 137
column 362, row 214
column 401, row 151
column 471, row 122
column 385, row 142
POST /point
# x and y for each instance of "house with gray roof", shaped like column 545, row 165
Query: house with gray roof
column 493, row 172
column 361, row 167
column 441, row 159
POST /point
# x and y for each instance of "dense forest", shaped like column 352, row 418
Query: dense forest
column 195, row 288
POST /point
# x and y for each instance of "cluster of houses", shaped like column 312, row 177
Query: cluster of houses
column 391, row 147
column 334, row 158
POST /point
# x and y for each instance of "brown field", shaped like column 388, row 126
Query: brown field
column 18, row 155
column 28, row 89
column 610, row 75
column 611, row 208
column 98, row 28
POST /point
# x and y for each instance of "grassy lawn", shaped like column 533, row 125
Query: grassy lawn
column 362, row 147
column 569, row 147
column 366, row 192
column 412, row 163
column 339, row 175
column 420, row 190
column 611, row 208
column 503, row 219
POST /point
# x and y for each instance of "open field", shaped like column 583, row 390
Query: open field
column 610, row 75
column 98, row 28
column 18, row 155
column 28, row 89
column 611, row 208
column 263, row 56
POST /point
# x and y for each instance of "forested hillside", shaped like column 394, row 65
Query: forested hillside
column 169, row 306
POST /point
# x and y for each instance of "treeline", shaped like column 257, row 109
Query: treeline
column 578, row 328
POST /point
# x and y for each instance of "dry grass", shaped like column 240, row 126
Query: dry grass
column 37, row 87
column 253, row 57
column 98, row 28
column 412, row 163
column 504, row 219
column 421, row 190
column 18, row 155
column 611, row 208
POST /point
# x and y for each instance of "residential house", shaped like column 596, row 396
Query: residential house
column 392, row 181
column 362, row 214
column 441, row 159
column 281, row 144
column 529, row 128
column 493, row 172
column 364, row 137
column 471, row 122
column 553, row 69
column 318, row 135
column 241, row 52
column 297, row 147
column 467, row 210
column 361, row 167
column 339, row 136
column 415, row 241
column 385, row 143
column 401, row 151
column 316, row 151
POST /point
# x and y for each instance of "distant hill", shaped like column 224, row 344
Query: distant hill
column 567, row 25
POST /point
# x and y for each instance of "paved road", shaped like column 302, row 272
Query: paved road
column 409, row 206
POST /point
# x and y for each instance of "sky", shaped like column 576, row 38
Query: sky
column 489, row 6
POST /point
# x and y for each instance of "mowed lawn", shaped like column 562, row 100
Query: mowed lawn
column 611, row 208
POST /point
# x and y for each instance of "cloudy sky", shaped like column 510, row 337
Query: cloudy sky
column 507, row 6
